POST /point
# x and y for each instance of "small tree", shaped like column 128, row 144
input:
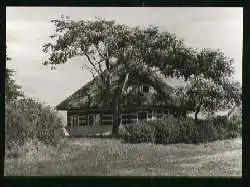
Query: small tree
column 210, row 87
column 117, row 55
column 12, row 90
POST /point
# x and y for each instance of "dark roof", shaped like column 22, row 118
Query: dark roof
column 79, row 93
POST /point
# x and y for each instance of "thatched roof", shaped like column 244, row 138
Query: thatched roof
column 85, row 96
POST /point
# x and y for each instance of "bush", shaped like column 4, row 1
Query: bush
column 182, row 130
column 29, row 119
column 175, row 130
column 138, row 133
column 235, row 126
column 227, row 128
column 164, row 131
column 206, row 131
column 171, row 130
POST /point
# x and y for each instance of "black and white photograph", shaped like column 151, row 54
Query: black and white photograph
column 123, row 91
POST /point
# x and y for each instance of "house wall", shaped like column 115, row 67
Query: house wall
column 63, row 117
column 86, row 118
column 82, row 125
column 88, row 130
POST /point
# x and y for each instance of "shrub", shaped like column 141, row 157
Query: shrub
column 171, row 130
column 187, row 130
column 164, row 131
column 235, row 126
column 218, row 128
column 175, row 130
column 206, row 131
column 182, row 130
column 138, row 133
column 228, row 128
column 29, row 119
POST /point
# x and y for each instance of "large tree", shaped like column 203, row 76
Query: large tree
column 210, row 86
column 118, row 55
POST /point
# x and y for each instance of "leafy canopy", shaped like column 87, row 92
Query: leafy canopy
column 118, row 50
column 211, row 86
column 133, row 54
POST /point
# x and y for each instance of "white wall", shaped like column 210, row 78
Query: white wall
column 63, row 115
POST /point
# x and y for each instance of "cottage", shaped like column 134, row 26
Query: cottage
column 86, row 116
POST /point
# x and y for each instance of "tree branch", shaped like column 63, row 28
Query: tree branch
column 98, row 50
column 93, row 65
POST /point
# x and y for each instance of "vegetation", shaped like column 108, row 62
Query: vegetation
column 210, row 87
column 113, row 50
column 12, row 90
column 181, row 130
column 133, row 54
column 110, row 157
column 139, row 133
column 33, row 131
column 27, row 120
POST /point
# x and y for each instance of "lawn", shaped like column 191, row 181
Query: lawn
column 86, row 156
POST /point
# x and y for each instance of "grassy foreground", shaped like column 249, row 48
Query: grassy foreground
column 86, row 156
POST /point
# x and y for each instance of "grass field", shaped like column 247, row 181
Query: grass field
column 85, row 156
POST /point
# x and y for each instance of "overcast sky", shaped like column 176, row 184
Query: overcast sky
column 29, row 28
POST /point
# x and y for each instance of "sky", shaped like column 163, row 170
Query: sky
column 28, row 28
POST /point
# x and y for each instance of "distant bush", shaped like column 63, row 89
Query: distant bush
column 29, row 119
column 235, row 126
column 181, row 130
column 236, row 123
column 227, row 128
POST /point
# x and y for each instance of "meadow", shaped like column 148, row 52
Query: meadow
column 111, row 157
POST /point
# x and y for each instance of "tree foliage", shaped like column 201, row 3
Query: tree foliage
column 12, row 90
column 211, row 87
column 119, row 56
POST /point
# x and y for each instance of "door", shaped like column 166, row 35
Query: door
column 91, row 120
column 97, row 119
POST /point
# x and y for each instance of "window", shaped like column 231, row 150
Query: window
column 83, row 120
column 75, row 120
column 145, row 89
column 142, row 115
column 129, row 89
column 94, row 119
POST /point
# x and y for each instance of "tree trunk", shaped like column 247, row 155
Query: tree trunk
column 198, row 108
column 197, row 137
column 117, row 107
column 196, row 114
column 116, row 120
